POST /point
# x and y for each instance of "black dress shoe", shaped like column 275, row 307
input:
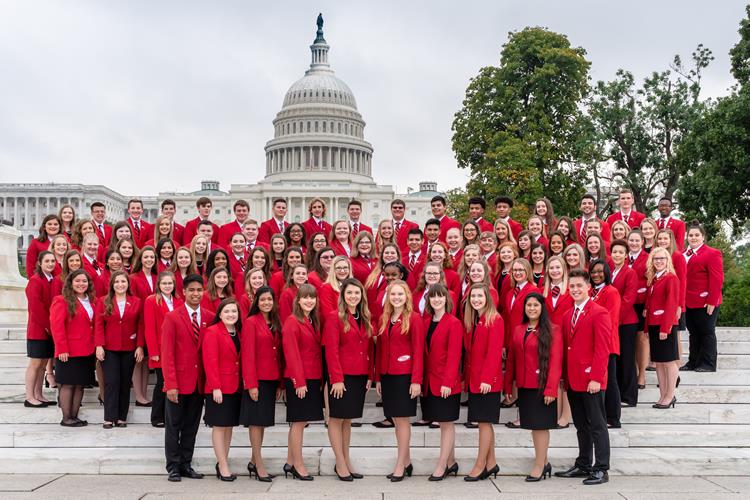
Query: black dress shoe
column 597, row 477
column 614, row 425
column 147, row 404
column 701, row 369
column 471, row 425
column 512, row 425
column 574, row 471
column 686, row 368
column 356, row 475
column 159, row 425
column 188, row 471
column 29, row 404
column 174, row 476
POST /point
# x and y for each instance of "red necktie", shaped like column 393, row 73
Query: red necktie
column 583, row 229
column 516, row 291
column 631, row 260
column 281, row 227
column 196, row 326
column 555, row 292
column 690, row 252
column 412, row 261
column 137, row 229
column 398, row 227
column 320, row 224
column 467, row 278
column 594, row 293
column 661, row 223
column 242, row 263
column 355, row 229
column 575, row 317
column 625, row 218
column 95, row 265
column 101, row 230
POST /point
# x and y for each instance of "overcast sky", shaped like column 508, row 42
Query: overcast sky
column 154, row 95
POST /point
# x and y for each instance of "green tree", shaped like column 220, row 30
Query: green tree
column 518, row 129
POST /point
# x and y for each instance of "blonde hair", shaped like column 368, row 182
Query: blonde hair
column 332, row 279
column 548, row 281
column 575, row 247
column 204, row 255
column 650, row 271
column 462, row 268
column 619, row 223
column 385, row 318
column 672, row 243
column 471, row 316
column 510, row 238
column 526, row 266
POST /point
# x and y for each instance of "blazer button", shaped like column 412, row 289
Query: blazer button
column 196, row 366
column 568, row 348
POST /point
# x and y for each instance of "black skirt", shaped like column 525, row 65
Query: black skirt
column 352, row 402
column 396, row 399
column 77, row 370
column 484, row 408
column 262, row 412
column 307, row 409
column 535, row 415
column 438, row 409
column 40, row 349
column 682, row 325
column 226, row 414
column 641, row 320
column 662, row 351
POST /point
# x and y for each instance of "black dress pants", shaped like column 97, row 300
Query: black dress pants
column 180, row 428
column 157, row 399
column 627, row 378
column 612, row 402
column 702, row 328
column 589, row 417
column 118, row 374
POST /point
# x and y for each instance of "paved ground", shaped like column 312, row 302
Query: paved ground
column 32, row 486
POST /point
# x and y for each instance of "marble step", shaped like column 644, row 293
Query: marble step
column 146, row 436
column 374, row 461
column 15, row 413
column 723, row 347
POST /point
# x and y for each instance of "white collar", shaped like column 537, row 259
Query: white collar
column 582, row 305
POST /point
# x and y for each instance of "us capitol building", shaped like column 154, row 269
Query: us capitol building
column 318, row 149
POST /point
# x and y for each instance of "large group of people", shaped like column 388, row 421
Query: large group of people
column 561, row 317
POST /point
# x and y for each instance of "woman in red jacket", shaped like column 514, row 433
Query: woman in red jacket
column 439, row 253
column 303, row 374
column 297, row 277
column 363, row 256
column 39, row 346
column 254, row 279
column 662, row 317
column 143, row 284
column 433, row 274
column 534, row 366
column 399, row 368
column 50, row 227
column 292, row 257
column 182, row 266
column 350, row 358
column 155, row 307
column 341, row 238
column 441, row 389
column 341, row 269
column 665, row 239
column 72, row 324
column 219, row 287
column 118, row 335
column 626, row 281
column 220, row 352
column 637, row 258
column 59, row 246
column 483, row 342
column 521, row 284
column 261, row 373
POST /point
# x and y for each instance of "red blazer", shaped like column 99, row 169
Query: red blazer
column 286, row 302
column 447, row 223
column 513, row 314
column 181, row 362
column 484, row 225
column 680, row 269
column 314, row 279
column 116, row 333
column 32, row 254
column 338, row 248
column 443, row 355
column 556, row 311
column 362, row 227
column 456, row 259
column 522, row 364
column 147, row 232
column 347, row 353
column 416, row 272
column 39, row 294
column 221, row 360
column 311, row 227
column 244, row 304
column 606, row 233
column 277, row 283
column 209, row 304
column 515, row 227
column 401, row 353
column 484, row 349
column 705, row 277
column 626, row 283
column 402, row 235
column 587, row 346
column 678, row 229
column 261, row 352
column 416, row 299
column 609, row 298
column 302, row 352
column 153, row 318
column 639, row 266
column 73, row 335
column 634, row 219
column 269, row 228
column 178, row 231
column 250, row 246
column 105, row 238
column 361, row 268
column 191, row 229
column 663, row 301
column 227, row 231
column 140, row 286
column 237, row 270
column 453, row 283
column 329, row 300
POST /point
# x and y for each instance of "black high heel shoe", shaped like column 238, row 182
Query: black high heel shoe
column 492, row 472
column 547, row 471
column 101, row 401
column 453, row 469
column 229, row 478
column 297, row 475
column 287, row 470
column 666, row 406
column 252, row 469
column 408, row 471
column 347, row 479
column 474, row 479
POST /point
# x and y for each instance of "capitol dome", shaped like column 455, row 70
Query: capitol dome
column 319, row 130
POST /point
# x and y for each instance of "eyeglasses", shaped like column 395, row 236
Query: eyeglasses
column 340, row 268
column 432, row 274
column 326, row 257
column 519, row 271
column 659, row 258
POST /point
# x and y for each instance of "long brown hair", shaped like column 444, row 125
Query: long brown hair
column 109, row 299
column 213, row 291
column 157, row 289
column 471, row 316
column 362, row 309
column 544, row 338
column 303, row 292
column 69, row 295
column 385, row 318
column 43, row 236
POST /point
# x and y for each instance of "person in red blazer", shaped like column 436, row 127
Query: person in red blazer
column 705, row 279
column 662, row 315
column 414, row 258
column 637, row 258
column 350, row 358
column 261, row 373
column 401, row 225
column 666, row 221
column 587, row 338
column 204, row 206
column 162, row 230
column 363, row 256
column 168, row 210
column 331, row 289
column 72, row 324
column 354, row 210
column 98, row 217
column 238, row 261
column 484, row 333
column 439, row 254
column 182, row 331
column 625, row 280
column 303, row 373
column 143, row 283
column 39, row 346
column 439, row 205
column 50, row 227
column 141, row 230
column 155, row 308
column 441, row 388
column 220, row 351
column 316, row 223
column 627, row 214
column 433, row 275
column 477, row 205
column 588, row 211
column 534, row 366
column 275, row 224
column 241, row 210
column 521, row 285
column 341, row 238
column 603, row 293
column 119, row 339
column 400, row 368
column 454, row 241
column 503, row 206
column 297, row 277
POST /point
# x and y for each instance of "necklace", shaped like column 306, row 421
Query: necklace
column 356, row 315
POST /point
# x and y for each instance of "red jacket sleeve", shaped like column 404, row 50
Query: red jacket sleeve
column 555, row 363
column 168, row 363
column 491, row 368
column 291, row 352
column 37, row 310
column 210, row 355
column 715, row 278
column 602, row 341
column 455, row 342
column 247, row 352
column 417, row 348
column 510, row 363
column 140, row 332
column 150, row 310
column 100, row 337
column 58, row 316
column 672, row 293
column 331, row 339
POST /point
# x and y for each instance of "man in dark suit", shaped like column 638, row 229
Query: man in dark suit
column 181, row 367
column 587, row 333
